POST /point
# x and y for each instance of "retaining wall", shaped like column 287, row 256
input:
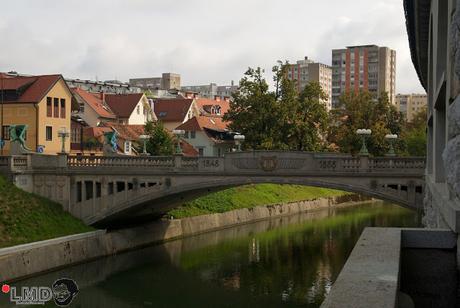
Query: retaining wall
column 30, row 259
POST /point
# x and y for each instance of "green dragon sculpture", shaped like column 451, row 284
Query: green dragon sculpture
column 111, row 139
column 18, row 134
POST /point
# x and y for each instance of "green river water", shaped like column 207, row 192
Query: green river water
column 283, row 262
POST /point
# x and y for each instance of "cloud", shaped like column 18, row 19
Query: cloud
column 205, row 41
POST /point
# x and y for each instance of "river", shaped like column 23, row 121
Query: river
column 283, row 262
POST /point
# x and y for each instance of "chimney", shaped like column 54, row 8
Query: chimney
column 217, row 98
column 102, row 96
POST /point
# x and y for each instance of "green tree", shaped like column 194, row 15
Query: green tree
column 362, row 110
column 414, row 136
column 254, row 112
column 279, row 119
column 309, row 119
column 160, row 141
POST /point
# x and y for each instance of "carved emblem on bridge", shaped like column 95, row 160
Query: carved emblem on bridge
column 268, row 163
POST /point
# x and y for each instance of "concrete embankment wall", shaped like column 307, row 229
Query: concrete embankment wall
column 30, row 259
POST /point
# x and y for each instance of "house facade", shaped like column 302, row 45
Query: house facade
column 43, row 103
column 130, row 109
column 92, row 107
column 174, row 112
column 208, row 135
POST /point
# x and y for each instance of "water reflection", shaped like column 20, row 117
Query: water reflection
column 283, row 262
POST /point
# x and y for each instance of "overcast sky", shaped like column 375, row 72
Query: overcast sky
column 203, row 40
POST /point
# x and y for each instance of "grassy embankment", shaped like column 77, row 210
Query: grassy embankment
column 251, row 196
column 26, row 217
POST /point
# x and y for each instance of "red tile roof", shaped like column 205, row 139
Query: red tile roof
column 128, row 132
column 35, row 87
column 205, row 103
column 188, row 149
column 201, row 122
column 172, row 110
column 95, row 103
column 123, row 104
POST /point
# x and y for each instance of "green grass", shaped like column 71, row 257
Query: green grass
column 25, row 217
column 251, row 196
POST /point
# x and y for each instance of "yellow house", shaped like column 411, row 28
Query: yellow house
column 43, row 103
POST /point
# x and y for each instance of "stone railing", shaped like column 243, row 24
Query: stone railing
column 238, row 163
column 119, row 161
column 19, row 162
column 399, row 163
column 4, row 161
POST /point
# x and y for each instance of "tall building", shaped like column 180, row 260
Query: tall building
column 410, row 104
column 167, row 81
column 208, row 91
column 305, row 71
column 368, row 67
column 212, row 90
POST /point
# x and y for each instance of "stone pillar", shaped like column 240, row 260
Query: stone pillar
column 93, row 203
column 62, row 160
column 363, row 163
column 178, row 161
column 83, row 198
column 104, row 194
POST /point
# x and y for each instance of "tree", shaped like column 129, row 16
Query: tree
column 160, row 141
column 309, row 119
column 414, row 136
column 280, row 119
column 362, row 110
column 254, row 112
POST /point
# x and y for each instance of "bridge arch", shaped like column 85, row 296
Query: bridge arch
column 408, row 194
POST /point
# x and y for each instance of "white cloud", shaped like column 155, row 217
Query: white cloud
column 203, row 40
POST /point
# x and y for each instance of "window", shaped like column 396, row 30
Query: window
column 49, row 133
column 56, row 107
column 193, row 134
column 138, row 109
column 63, row 108
column 186, row 134
column 75, row 135
column 49, row 107
column 6, row 132
column 201, row 151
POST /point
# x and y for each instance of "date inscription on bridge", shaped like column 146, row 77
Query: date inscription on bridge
column 210, row 163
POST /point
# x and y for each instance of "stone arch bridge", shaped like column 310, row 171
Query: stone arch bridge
column 108, row 190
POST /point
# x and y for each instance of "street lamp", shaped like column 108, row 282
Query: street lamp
column 63, row 133
column 391, row 138
column 178, row 133
column 144, row 138
column 364, row 133
column 238, row 140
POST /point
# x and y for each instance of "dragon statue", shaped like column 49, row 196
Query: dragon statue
column 18, row 134
column 111, row 139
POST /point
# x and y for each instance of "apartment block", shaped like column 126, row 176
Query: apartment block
column 306, row 70
column 167, row 81
column 367, row 67
column 212, row 90
column 410, row 104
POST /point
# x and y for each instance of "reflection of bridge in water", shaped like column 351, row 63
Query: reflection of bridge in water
column 103, row 189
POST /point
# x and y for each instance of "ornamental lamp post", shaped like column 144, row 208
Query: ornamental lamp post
column 364, row 133
column 178, row 133
column 63, row 133
column 238, row 140
column 144, row 139
column 391, row 138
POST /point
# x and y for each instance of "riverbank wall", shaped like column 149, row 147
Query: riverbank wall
column 26, row 260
